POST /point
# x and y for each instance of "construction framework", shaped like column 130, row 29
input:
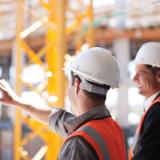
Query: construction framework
column 53, row 52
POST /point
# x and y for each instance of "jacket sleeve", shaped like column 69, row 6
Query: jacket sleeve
column 77, row 148
column 149, row 142
column 57, row 120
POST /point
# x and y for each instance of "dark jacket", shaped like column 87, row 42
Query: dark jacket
column 148, row 144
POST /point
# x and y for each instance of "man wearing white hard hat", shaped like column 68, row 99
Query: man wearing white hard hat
column 147, row 138
column 91, row 133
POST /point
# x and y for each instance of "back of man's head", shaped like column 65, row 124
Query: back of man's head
column 97, row 71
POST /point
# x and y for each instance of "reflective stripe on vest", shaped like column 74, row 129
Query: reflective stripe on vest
column 138, row 131
column 97, row 138
column 106, row 138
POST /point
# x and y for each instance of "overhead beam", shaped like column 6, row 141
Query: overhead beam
column 101, row 35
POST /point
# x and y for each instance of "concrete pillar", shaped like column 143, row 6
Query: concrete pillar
column 121, row 13
column 121, row 48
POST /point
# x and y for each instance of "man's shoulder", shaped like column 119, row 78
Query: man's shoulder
column 153, row 113
column 155, row 106
column 77, row 145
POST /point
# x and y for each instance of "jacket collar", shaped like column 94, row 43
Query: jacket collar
column 158, row 95
column 150, row 99
column 98, row 112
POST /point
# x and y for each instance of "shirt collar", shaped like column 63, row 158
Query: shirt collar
column 150, row 99
column 95, row 113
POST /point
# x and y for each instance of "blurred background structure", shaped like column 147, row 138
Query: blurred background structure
column 39, row 37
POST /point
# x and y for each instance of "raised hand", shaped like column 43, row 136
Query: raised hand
column 8, row 96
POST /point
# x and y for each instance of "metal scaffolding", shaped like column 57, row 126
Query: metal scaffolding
column 53, row 62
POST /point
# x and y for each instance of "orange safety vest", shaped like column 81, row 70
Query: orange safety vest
column 138, row 131
column 106, row 138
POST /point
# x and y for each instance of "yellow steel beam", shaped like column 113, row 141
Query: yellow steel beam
column 55, row 51
column 55, row 56
column 44, row 4
column 77, row 25
column 90, row 37
column 45, row 49
column 79, row 41
column 37, row 128
column 55, row 61
column 33, row 57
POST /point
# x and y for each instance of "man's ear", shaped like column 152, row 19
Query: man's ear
column 76, row 86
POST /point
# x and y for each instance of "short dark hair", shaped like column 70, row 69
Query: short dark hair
column 152, row 68
column 91, row 95
column 94, row 96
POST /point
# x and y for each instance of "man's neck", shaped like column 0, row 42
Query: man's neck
column 85, row 106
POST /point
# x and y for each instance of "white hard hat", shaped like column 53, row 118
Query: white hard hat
column 97, row 65
column 149, row 54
